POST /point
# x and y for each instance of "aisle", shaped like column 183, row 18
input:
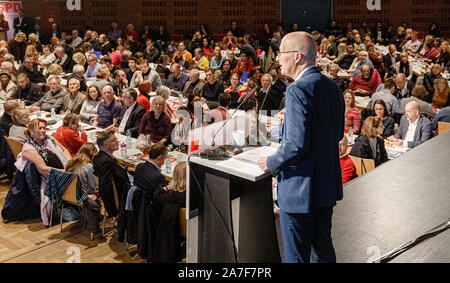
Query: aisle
column 30, row 241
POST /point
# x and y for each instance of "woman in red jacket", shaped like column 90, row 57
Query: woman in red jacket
column 245, row 64
column 348, row 169
column 68, row 134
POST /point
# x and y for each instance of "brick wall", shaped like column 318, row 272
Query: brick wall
column 184, row 16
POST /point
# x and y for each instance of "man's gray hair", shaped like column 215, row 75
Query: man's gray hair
column 195, row 72
column 60, row 49
column 78, row 69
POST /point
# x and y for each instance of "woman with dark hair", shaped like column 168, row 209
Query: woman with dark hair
column 403, row 66
column 226, row 72
column 206, row 46
column 429, row 53
column 236, row 90
column 369, row 144
column 379, row 110
column 444, row 54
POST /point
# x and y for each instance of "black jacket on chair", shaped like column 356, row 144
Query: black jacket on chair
column 108, row 170
column 362, row 149
column 134, row 121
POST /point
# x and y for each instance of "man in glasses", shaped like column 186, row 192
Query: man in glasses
column 307, row 162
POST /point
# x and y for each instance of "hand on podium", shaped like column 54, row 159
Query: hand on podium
column 263, row 164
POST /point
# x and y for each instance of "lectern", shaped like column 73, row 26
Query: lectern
column 230, row 215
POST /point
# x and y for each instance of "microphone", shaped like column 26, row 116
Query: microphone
column 213, row 154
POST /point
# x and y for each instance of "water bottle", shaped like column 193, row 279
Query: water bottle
column 22, row 104
column 123, row 150
column 168, row 165
column 180, row 99
column 129, row 138
column 350, row 132
column 38, row 114
column 53, row 113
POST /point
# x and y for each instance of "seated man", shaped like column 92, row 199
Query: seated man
column 69, row 133
column 365, row 84
column 194, row 85
column 269, row 97
column 413, row 44
column 27, row 91
column 418, row 94
column 212, row 89
column 346, row 61
column 74, row 99
column 389, row 61
column 93, row 67
column 442, row 116
column 404, row 87
column 182, row 52
column 361, row 59
column 414, row 128
column 131, row 114
column 342, row 83
column 119, row 82
column 78, row 73
column 108, row 110
column 146, row 74
column 387, row 96
column 32, row 72
column 54, row 98
column 109, row 172
column 7, row 86
column 177, row 80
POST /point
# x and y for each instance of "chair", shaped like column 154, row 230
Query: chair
column 443, row 127
column 105, row 213
column 15, row 145
column 162, row 76
column 363, row 165
column 209, row 56
column 70, row 196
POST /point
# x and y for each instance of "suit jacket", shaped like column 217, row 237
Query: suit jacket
column 422, row 134
column 198, row 90
column 271, row 101
column 134, row 121
column 76, row 107
column 27, row 25
column 307, row 162
column 409, row 86
column 362, row 149
column 388, row 66
column 108, row 170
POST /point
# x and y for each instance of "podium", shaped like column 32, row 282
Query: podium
column 230, row 215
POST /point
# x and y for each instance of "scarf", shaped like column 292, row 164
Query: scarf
column 404, row 68
column 41, row 149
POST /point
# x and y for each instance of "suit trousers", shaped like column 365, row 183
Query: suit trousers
column 307, row 237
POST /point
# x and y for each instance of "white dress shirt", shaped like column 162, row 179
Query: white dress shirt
column 125, row 118
column 409, row 137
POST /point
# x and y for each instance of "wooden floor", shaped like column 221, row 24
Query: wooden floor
column 31, row 242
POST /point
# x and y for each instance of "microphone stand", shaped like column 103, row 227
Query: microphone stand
column 214, row 154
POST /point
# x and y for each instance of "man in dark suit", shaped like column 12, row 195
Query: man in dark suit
column 131, row 114
column 269, row 97
column 403, row 86
column 414, row 128
column 23, row 24
column 110, row 173
column 346, row 61
column 307, row 162
column 389, row 61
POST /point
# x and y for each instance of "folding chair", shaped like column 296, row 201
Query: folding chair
column 70, row 196
column 105, row 213
column 363, row 165
column 443, row 127
column 15, row 145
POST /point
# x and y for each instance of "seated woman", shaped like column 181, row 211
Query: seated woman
column 226, row 70
column 403, row 66
column 156, row 123
column 379, row 108
column 89, row 108
column 46, row 154
column 143, row 99
column 441, row 96
column 164, row 92
column 369, row 144
column 21, row 117
column 236, row 90
column 352, row 114
column 6, row 120
column 82, row 165
column 175, row 192
column 69, row 133
column 348, row 168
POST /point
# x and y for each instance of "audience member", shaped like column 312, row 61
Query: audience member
column 442, row 116
column 27, row 91
column 348, row 168
column 6, row 121
column 418, row 94
column 369, row 144
column 74, row 99
column 177, row 80
column 108, row 109
column 352, row 114
column 93, row 67
column 54, row 98
column 143, row 99
column 21, row 117
column 236, row 90
column 212, row 89
column 269, row 98
column 71, row 135
column 403, row 66
column 89, row 109
column 119, row 82
column 131, row 114
column 404, row 87
column 221, row 113
column 346, row 60
column 380, row 111
column 390, row 60
column 146, row 74
column 156, row 123
column 365, row 84
column 7, row 87
column 441, row 97
column 194, row 85
column 387, row 96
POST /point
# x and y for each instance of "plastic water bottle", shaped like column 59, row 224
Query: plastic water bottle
column 180, row 99
column 350, row 132
column 123, row 150
column 53, row 113
column 129, row 138
column 168, row 165
column 38, row 114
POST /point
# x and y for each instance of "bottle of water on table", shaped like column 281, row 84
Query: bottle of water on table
column 123, row 150
column 128, row 138
column 168, row 165
column 53, row 113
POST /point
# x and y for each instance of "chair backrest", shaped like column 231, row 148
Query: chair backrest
column 443, row 127
column 363, row 165
column 70, row 194
column 116, row 196
column 182, row 215
column 209, row 56
column 162, row 76
column 15, row 145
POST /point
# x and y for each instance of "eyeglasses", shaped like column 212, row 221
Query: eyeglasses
column 279, row 53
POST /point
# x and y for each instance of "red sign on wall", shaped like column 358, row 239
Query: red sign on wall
column 10, row 7
column 50, row 17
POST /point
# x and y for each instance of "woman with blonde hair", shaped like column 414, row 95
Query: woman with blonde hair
column 175, row 192
column 21, row 117
column 79, row 58
column 441, row 93
column 54, row 69
column 17, row 46
column 369, row 144
column 82, row 166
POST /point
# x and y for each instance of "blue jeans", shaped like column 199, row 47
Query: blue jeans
column 307, row 237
